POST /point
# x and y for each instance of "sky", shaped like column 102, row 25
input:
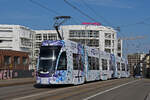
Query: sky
column 132, row 16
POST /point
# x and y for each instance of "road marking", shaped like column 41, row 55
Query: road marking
column 90, row 97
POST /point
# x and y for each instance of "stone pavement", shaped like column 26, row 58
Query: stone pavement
column 16, row 81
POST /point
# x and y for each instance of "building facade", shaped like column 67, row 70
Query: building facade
column 18, row 38
column 14, row 60
column 133, row 60
column 104, row 38
column 21, row 38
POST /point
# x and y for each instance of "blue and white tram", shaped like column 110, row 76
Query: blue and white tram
column 67, row 62
column 61, row 62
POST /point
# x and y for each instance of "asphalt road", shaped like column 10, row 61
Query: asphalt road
column 118, row 89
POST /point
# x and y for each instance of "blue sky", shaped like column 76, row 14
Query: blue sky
column 132, row 16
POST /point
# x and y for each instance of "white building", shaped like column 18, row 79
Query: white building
column 18, row 38
column 41, row 35
column 104, row 38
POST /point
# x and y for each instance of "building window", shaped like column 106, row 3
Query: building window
column 71, row 33
column 36, row 53
column 107, row 35
column 38, row 37
column 44, row 36
column 112, row 50
column 26, row 42
column 52, row 36
column 119, row 48
column 24, row 60
column 107, row 43
column 38, row 44
column 93, row 43
column 108, row 50
column 96, row 34
column 7, row 60
column 6, row 31
column 16, row 60
column 113, row 44
column 84, row 33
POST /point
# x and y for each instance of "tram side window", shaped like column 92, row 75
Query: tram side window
column 123, row 66
column 104, row 64
column 62, row 65
column 110, row 64
column 93, row 63
column 89, row 63
column 77, row 62
column 97, row 63
column 118, row 66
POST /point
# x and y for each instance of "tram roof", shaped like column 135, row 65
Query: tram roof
column 53, row 42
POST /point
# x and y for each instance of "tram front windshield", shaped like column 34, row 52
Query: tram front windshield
column 48, row 57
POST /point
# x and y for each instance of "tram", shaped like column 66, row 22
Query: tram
column 68, row 62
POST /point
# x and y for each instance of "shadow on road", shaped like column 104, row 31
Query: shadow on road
column 51, row 86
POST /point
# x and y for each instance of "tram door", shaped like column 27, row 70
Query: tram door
column 78, row 69
column 113, row 65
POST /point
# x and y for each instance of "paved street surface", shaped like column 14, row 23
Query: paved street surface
column 118, row 89
column 16, row 81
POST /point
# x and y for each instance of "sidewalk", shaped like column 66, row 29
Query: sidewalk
column 16, row 81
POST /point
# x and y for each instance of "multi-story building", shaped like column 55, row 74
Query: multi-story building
column 104, row 38
column 41, row 35
column 18, row 38
column 14, row 60
column 133, row 60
